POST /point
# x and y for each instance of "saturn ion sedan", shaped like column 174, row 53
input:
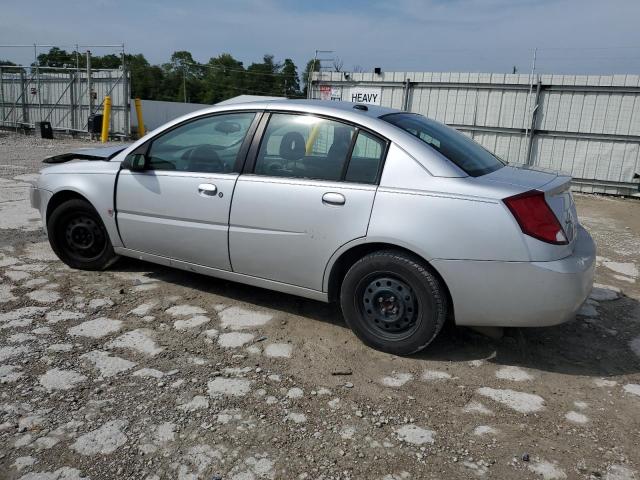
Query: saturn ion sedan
column 402, row 220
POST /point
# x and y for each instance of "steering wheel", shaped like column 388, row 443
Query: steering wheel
column 203, row 158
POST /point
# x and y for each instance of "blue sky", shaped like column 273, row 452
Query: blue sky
column 573, row 36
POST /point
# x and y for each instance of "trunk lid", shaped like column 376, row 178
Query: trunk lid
column 522, row 176
column 556, row 187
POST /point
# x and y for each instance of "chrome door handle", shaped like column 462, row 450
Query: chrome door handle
column 332, row 198
column 207, row 189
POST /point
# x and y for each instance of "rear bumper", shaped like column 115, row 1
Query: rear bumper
column 520, row 294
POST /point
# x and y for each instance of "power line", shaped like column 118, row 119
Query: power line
column 248, row 72
column 248, row 90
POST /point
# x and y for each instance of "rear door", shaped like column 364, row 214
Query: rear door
column 309, row 189
column 178, row 206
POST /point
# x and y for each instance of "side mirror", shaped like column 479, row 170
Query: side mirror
column 136, row 162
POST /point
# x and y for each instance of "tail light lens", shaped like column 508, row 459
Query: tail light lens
column 535, row 217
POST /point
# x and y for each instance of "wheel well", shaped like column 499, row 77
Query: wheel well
column 61, row 197
column 351, row 256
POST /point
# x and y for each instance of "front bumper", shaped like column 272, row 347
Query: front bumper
column 520, row 294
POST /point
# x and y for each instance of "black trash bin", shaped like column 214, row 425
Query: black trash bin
column 45, row 129
column 95, row 124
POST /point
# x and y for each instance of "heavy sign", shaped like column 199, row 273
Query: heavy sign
column 365, row 95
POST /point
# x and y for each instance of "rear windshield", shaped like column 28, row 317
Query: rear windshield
column 474, row 159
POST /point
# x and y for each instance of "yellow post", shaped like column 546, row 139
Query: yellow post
column 313, row 136
column 141, row 130
column 106, row 113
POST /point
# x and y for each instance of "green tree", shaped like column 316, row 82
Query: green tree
column 56, row 57
column 183, row 78
column 262, row 78
column 313, row 65
column 291, row 83
column 224, row 78
column 9, row 67
column 146, row 80
column 110, row 61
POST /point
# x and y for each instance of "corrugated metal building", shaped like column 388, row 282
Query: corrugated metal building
column 588, row 126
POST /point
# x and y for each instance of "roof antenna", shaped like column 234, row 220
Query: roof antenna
column 359, row 106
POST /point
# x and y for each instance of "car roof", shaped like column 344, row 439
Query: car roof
column 370, row 111
column 368, row 118
column 338, row 108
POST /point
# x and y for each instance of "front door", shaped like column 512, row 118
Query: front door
column 310, row 191
column 178, row 206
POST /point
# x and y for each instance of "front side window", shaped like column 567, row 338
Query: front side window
column 470, row 156
column 209, row 145
column 304, row 146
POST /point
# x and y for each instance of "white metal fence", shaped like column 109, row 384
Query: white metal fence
column 588, row 126
column 65, row 97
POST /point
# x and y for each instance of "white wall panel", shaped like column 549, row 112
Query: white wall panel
column 573, row 108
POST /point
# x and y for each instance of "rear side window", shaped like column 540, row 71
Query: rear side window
column 471, row 157
column 366, row 159
column 317, row 148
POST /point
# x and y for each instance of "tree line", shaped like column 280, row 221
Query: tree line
column 185, row 79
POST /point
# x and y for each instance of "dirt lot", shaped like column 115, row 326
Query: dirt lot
column 148, row 373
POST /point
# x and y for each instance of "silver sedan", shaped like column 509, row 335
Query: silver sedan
column 403, row 221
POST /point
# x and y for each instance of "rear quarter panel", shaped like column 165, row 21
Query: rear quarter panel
column 447, row 218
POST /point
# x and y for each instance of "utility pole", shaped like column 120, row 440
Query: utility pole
column 531, row 79
column 313, row 68
column 184, row 82
column 2, row 117
column 35, row 56
column 127, row 95
column 89, row 93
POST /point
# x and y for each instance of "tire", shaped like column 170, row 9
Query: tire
column 392, row 302
column 78, row 236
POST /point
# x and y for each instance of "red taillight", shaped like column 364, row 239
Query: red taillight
column 535, row 217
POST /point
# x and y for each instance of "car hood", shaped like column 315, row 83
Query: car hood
column 75, row 167
column 102, row 153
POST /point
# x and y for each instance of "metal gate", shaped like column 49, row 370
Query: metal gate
column 65, row 97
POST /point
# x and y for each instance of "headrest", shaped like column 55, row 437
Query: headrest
column 292, row 146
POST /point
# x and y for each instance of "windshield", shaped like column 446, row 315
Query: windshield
column 471, row 157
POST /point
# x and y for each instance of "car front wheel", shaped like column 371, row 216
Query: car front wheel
column 393, row 302
column 78, row 236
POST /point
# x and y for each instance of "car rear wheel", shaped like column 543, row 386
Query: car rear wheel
column 393, row 302
column 78, row 236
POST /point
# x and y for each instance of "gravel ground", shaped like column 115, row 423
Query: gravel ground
column 149, row 373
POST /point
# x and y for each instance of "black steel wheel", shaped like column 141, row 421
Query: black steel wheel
column 84, row 240
column 393, row 302
column 389, row 305
column 78, row 236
